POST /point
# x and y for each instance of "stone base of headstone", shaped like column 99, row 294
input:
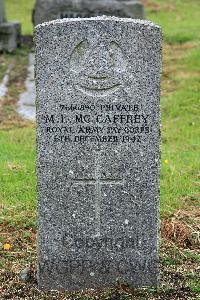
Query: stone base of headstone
column 9, row 36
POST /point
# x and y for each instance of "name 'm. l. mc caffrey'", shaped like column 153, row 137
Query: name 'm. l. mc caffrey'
column 98, row 135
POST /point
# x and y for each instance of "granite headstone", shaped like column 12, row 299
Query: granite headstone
column 47, row 10
column 9, row 32
column 98, row 135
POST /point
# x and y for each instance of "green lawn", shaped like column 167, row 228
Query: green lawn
column 180, row 174
column 179, row 19
column 17, row 163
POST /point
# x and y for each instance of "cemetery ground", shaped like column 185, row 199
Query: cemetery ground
column 180, row 172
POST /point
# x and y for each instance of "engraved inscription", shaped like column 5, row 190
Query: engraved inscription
column 100, row 243
column 98, row 123
column 76, row 14
column 97, row 181
column 97, row 70
column 69, row 266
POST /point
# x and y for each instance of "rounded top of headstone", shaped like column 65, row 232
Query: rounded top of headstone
column 99, row 18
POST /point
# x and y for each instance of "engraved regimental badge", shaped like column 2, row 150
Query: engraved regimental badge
column 97, row 70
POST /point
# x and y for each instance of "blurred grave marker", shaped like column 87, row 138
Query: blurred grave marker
column 47, row 10
column 9, row 32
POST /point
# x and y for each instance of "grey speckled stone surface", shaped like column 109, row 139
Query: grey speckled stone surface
column 47, row 10
column 98, row 134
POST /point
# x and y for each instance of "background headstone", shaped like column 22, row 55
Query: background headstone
column 47, row 10
column 9, row 32
column 98, row 134
column 2, row 12
column 26, row 104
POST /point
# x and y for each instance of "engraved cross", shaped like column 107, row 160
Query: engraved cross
column 97, row 181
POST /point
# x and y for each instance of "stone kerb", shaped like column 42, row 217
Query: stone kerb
column 9, row 32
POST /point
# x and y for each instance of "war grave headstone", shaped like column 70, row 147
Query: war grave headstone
column 47, row 10
column 9, row 32
column 98, row 134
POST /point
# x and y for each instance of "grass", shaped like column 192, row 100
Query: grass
column 179, row 275
column 179, row 102
column 18, row 175
column 179, row 19
column 17, row 155
column 180, row 131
